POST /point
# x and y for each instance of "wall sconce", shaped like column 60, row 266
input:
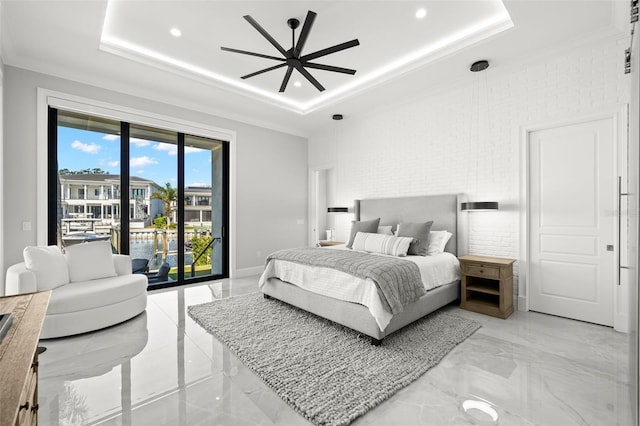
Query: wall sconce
column 338, row 210
column 479, row 206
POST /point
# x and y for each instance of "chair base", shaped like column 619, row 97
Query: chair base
column 68, row 324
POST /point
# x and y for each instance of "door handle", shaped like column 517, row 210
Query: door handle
column 620, row 195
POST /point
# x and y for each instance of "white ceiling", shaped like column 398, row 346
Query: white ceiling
column 126, row 46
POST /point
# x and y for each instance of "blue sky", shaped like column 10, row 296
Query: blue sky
column 157, row 161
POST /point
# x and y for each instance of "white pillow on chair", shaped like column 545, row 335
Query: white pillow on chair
column 90, row 261
column 48, row 264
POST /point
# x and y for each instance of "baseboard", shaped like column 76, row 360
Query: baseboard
column 621, row 323
column 522, row 303
column 247, row 272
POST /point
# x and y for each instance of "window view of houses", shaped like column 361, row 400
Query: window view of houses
column 97, row 196
column 90, row 193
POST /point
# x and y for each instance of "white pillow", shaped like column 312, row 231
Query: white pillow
column 382, row 244
column 48, row 264
column 90, row 261
column 385, row 230
column 437, row 242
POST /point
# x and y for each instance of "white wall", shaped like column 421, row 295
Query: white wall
column 271, row 170
column 424, row 146
column 322, row 202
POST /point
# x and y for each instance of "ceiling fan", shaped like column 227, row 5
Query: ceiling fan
column 293, row 58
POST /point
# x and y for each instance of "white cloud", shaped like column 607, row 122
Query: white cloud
column 89, row 148
column 140, row 172
column 140, row 142
column 141, row 161
column 113, row 163
column 136, row 141
column 167, row 147
column 200, row 184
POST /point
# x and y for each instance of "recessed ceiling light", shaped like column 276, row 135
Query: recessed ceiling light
column 175, row 32
column 297, row 84
column 421, row 13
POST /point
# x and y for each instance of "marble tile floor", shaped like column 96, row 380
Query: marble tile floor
column 163, row 369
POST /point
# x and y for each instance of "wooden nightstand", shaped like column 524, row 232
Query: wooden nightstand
column 327, row 243
column 487, row 285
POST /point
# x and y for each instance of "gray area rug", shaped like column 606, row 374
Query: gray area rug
column 328, row 373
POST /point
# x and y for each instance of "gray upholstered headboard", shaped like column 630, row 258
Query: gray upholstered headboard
column 444, row 210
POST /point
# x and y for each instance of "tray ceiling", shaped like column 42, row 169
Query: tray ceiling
column 392, row 41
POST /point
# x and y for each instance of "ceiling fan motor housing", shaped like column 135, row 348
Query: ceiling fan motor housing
column 293, row 23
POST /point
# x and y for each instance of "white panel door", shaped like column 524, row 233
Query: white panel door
column 573, row 220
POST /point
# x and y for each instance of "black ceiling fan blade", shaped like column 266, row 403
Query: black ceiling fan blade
column 328, row 68
column 253, row 74
column 266, row 35
column 285, row 81
column 244, row 52
column 304, row 34
column 309, row 77
column 330, row 50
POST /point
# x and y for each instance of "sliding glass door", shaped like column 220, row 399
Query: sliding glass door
column 203, row 205
column 156, row 194
column 153, row 194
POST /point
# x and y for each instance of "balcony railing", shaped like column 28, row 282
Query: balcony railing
column 92, row 197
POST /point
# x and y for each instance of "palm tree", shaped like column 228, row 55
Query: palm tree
column 168, row 196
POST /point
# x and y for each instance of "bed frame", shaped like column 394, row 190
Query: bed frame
column 444, row 210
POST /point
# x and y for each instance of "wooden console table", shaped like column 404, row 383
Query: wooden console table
column 19, row 358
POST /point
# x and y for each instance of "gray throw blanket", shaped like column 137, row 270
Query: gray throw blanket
column 398, row 280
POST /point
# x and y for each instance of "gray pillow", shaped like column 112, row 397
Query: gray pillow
column 370, row 226
column 420, row 234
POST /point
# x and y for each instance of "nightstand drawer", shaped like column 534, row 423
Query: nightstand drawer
column 482, row 271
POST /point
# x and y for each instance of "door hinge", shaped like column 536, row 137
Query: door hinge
column 627, row 61
column 634, row 11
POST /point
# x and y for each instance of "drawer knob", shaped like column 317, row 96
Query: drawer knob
column 24, row 406
column 35, row 408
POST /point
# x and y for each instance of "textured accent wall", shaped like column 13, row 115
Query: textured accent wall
column 426, row 145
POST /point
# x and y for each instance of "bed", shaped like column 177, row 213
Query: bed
column 442, row 209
